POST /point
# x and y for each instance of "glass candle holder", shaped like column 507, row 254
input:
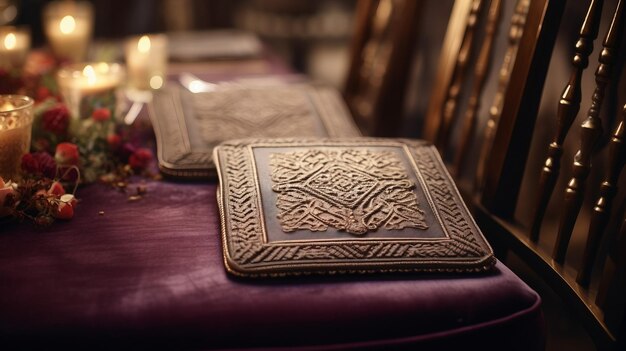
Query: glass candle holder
column 68, row 26
column 87, row 86
column 14, row 46
column 16, row 120
column 146, row 61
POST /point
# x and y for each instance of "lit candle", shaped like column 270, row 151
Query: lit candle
column 68, row 26
column 79, row 81
column 14, row 45
column 16, row 119
column 146, row 59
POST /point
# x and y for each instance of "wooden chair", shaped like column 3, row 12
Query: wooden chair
column 592, row 286
column 380, row 56
column 487, row 136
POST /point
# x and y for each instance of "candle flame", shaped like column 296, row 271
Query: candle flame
column 143, row 45
column 10, row 41
column 90, row 73
column 67, row 25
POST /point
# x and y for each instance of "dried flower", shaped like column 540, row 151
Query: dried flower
column 39, row 163
column 7, row 191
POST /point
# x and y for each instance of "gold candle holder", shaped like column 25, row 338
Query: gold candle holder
column 16, row 120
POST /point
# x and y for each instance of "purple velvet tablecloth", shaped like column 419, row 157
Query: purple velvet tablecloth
column 149, row 273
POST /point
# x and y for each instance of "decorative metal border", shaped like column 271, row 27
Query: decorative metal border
column 177, row 158
column 247, row 252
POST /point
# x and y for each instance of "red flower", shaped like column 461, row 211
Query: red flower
column 42, row 93
column 56, row 189
column 114, row 141
column 66, row 154
column 140, row 159
column 101, row 114
column 56, row 119
column 40, row 163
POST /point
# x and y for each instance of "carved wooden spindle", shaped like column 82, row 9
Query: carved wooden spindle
column 614, row 267
column 515, row 34
column 480, row 76
column 590, row 133
column 452, row 99
column 602, row 209
column 569, row 105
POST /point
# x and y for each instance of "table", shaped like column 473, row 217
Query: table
column 149, row 273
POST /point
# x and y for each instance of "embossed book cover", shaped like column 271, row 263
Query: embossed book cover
column 291, row 206
column 189, row 125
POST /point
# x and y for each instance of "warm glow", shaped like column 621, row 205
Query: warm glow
column 102, row 67
column 10, row 41
column 143, row 45
column 90, row 73
column 196, row 86
column 156, row 82
column 7, row 106
column 67, row 25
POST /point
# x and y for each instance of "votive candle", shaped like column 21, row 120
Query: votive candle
column 16, row 120
column 97, row 81
column 68, row 26
column 146, row 60
column 14, row 46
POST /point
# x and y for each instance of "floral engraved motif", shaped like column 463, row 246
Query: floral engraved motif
column 245, row 113
column 352, row 190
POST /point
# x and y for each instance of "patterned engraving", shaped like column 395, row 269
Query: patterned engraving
column 238, row 112
column 348, row 189
column 244, row 113
column 247, row 253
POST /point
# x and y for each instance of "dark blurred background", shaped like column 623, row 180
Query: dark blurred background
column 313, row 36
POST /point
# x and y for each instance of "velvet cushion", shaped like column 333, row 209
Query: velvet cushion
column 150, row 273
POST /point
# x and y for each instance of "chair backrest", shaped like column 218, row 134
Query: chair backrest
column 502, row 141
column 577, row 246
column 487, row 105
column 380, row 56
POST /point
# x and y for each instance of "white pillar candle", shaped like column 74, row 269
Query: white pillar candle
column 16, row 120
column 68, row 26
column 146, row 60
column 79, row 81
column 14, row 45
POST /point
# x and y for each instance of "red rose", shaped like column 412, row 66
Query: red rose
column 56, row 119
column 114, row 141
column 140, row 159
column 39, row 163
column 101, row 114
column 66, row 154
column 42, row 93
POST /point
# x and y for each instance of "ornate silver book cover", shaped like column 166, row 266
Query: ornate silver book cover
column 188, row 126
column 292, row 206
